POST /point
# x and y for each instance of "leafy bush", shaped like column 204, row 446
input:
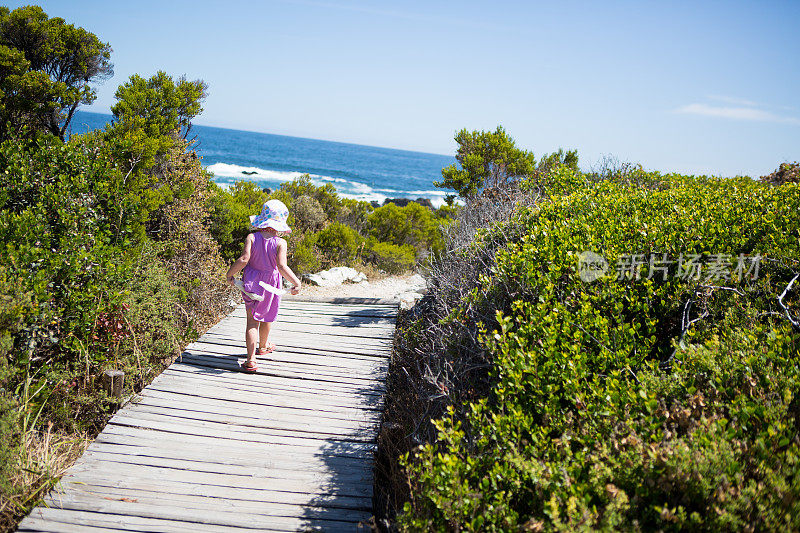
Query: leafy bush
column 628, row 403
column 304, row 257
column 392, row 258
column 339, row 244
column 413, row 225
column 308, row 214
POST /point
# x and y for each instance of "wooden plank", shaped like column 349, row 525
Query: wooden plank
column 332, row 333
column 276, row 382
column 293, row 342
column 282, row 354
column 286, row 468
column 253, row 415
column 234, row 443
column 270, row 382
column 270, row 370
column 305, row 329
column 318, row 364
column 272, row 457
column 217, row 494
column 193, row 426
column 319, row 484
column 193, row 392
column 384, row 323
column 256, row 402
column 178, row 523
column 39, row 525
column 300, row 345
column 327, row 428
column 307, row 509
column 266, row 366
column 329, row 342
column 199, row 382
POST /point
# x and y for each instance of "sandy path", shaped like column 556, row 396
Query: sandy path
column 401, row 287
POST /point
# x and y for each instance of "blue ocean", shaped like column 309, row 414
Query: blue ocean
column 361, row 172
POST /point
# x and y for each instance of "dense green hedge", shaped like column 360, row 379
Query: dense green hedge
column 629, row 403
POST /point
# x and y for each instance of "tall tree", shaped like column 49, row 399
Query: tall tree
column 487, row 159
column 150, row 114
column 550, row 161
column 152, row 118
column 46, row 67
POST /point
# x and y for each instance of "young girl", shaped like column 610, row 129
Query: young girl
column 263, row 259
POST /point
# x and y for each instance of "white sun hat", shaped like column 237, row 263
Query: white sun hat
column 274, row 214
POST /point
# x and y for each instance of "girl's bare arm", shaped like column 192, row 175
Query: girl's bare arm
column 240, row 263
column 284, row 269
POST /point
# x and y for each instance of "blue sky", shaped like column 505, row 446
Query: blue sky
column 695, row 87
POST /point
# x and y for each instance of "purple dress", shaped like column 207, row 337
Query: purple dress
column 262, row 266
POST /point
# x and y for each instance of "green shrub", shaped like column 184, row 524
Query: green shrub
column 339, row 244
column 413, row 225
column 304, row 259
column 392, row 258
column 308, row 214
column 624, row 403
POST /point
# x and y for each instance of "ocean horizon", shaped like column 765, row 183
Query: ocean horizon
column 361, row 172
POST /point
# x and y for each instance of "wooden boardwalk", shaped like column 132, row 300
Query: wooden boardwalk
column 206, row 447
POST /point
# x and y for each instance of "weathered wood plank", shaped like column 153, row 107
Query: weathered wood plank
column 177, row 423
column 276, row 371
column 276, row 382
column 286, row 468
column 168, row 488
column 273, row 457
column 251, row 416
column 316, row 484
column 287, row 369
column 224, row 390
column 185, row 426
column 315, row 358
column 234, row 442
column 114, row 517
column 202, row 503
column 338, row 407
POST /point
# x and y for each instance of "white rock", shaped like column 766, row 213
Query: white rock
column 408, row 299
column 336, row 276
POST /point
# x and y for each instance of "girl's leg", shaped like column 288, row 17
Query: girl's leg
column 251, row 336
column 263, row 334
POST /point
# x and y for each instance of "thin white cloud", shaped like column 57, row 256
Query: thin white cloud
column 736, row 113
column 733, row 100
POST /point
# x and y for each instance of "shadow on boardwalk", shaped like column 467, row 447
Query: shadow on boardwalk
column 341, row 478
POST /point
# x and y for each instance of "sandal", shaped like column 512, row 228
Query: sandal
column 264, row 351
column 249, row 366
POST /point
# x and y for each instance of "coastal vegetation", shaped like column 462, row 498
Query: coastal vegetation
column 107, row 261
column 612, row 350
column 115, row 242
